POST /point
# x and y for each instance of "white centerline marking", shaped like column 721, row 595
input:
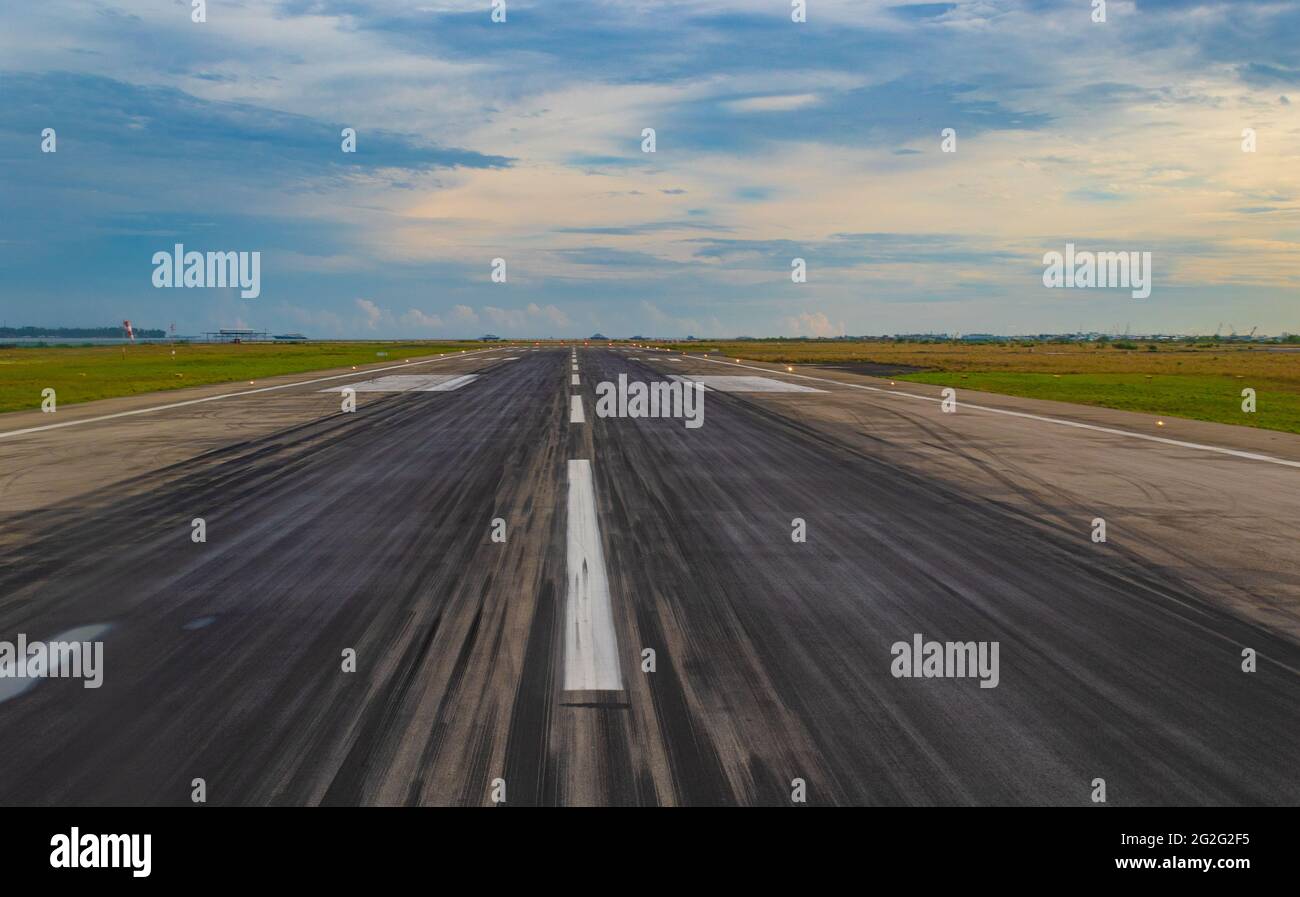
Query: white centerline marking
column 574, row 381
column 227, row 395
column 576, row 415
column 1023, row 414
column 590, row 644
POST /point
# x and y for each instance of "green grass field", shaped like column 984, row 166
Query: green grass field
column 83, row 374
column 1196, row 397
column 1169, row 380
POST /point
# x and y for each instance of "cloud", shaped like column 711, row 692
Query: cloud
column 463, row 314
column 171, row 125
column 526, row 319
column 664, row 324
column 642, row 228
column 373, row 314
column 776, row 103
column 616, row 258
column 814, row 324
column 818, row 141
column 416, row 318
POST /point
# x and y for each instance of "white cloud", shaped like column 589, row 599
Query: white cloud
column 814, row 324
column 664, row 324
column 374, row 315
column 416, row 318
column 527, row 318
column 551, row 314
column 778, row 103
column 464, row 314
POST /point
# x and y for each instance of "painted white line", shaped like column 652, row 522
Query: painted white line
column 574, row 381
column 12, row 685
column 1252, row 456
column 590, row 644
column 576, row 415
column 228, row 395
column 743, row 384
column 409, row 383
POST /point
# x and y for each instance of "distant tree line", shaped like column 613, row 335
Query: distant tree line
column 77, row 332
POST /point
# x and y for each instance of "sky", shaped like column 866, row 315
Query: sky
column 522, row 140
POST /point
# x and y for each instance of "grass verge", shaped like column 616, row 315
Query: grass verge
column 1163, row 379
column 1208, row 398
column 84, row 374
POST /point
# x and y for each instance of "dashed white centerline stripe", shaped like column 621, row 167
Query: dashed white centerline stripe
column 590, row 644
column 228, row 395
column 1022, row 414
column 576, row 415
column 574, row 381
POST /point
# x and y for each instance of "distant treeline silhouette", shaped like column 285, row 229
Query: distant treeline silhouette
column 76, row 333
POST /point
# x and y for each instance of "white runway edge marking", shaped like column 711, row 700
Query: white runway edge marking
column 574, row 381
column 1038, row 417
column 576, row 415
column 243, row 392
column 590, row 644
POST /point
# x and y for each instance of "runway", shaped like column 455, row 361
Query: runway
column 500, row 556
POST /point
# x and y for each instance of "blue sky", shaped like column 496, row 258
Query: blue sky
column 775, row 140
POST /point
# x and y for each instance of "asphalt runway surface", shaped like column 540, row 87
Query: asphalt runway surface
column 482, row 662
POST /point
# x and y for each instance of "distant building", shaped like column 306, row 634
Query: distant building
column 490, row 338
column 236, row 336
